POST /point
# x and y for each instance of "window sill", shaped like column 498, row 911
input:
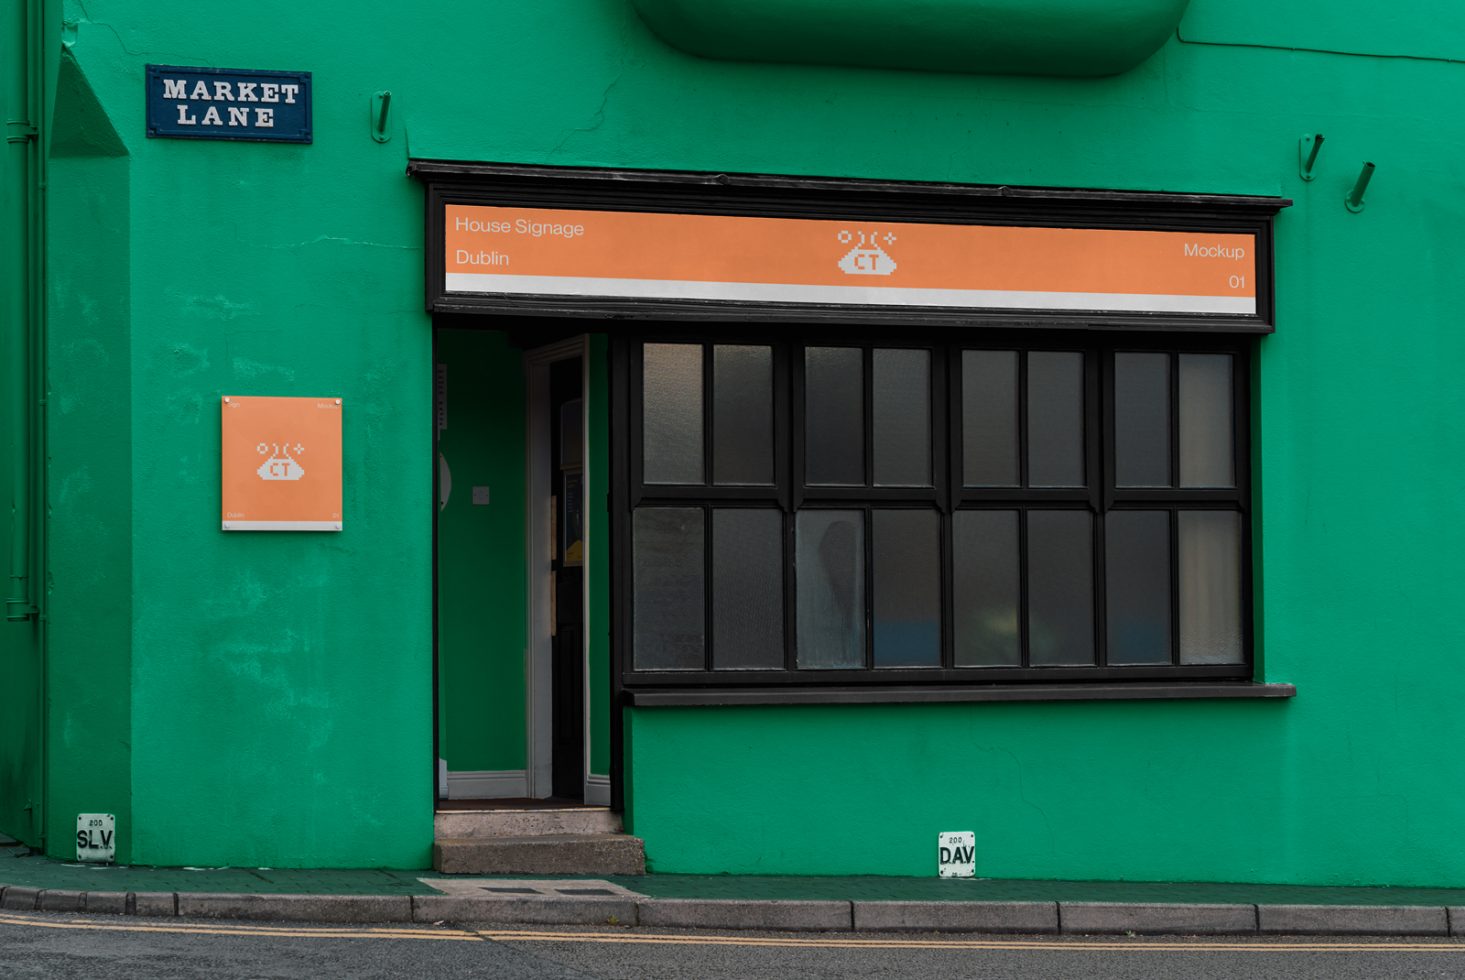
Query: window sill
column 729, row 697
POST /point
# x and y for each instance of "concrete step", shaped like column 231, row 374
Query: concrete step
column 548, row 854
column 526, row 823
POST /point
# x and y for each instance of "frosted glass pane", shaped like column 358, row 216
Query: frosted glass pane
column 747, row 589
column 1060, row 587
column 831, row 588
column 989, row 443
column 672, row 399
column 902, row 417
column 907, row 555
column 1055, row 419
column 1137, row 580
column 667, row 578
column 834, row 410
column 742, row 415
column 1142, row 420
column 1205, row 421
column 1210, row 587
column 986, row 588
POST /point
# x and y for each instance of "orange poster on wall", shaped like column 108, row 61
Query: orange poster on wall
column 281, row 464
column 541, row 251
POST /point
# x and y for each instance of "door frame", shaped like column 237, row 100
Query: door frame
column 538, row 663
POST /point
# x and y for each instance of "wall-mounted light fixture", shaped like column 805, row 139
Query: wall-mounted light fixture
column 1307, row 148
column 1354, row 200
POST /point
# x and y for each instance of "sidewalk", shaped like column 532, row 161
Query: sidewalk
column 32, row 883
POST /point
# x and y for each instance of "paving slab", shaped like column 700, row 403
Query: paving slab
column 298, row 908
column 696, row 913
column 1149, row 919
column 1354, row 920
column 524, row 909
column 1040, row 917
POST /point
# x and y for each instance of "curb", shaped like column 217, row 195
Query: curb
column 1054, row 918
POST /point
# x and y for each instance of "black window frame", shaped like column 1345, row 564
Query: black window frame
column 946, row 495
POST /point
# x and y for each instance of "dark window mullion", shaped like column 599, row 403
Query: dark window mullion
column 1023, row 633
column 1022, row 418
column 867, row 360
column 707, row 624
column 946, row 468
column 790, row 596
column 1174, row 586
column 1097, row 479
column 868, row 537
column 1175, row 420
column 707, row 410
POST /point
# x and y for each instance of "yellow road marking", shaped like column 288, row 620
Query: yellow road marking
column 525, row 935
column 765, row 942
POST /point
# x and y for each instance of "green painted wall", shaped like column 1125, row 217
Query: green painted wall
column 90, row 478
column 284, row 680
column 482, row 596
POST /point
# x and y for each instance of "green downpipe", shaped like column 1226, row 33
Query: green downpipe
column 24, row 68
column 15, row 260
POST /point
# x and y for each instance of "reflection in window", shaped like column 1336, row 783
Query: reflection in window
column 831, row 588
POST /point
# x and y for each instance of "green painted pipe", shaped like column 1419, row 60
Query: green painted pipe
column 1083, row 38
column 15, row 294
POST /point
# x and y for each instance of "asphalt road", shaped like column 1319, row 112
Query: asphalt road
column 102, row 948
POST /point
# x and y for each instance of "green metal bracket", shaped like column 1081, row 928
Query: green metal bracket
column 1307, row 149
column 20, row 131
column 1354, row 200
column 381, row 109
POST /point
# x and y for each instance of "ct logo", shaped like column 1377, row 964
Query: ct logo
column 280, row 465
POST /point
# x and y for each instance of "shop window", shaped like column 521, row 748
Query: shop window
column 920, row 511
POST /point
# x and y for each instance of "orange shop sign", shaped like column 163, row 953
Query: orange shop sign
column 281, row 464
column 639, row 255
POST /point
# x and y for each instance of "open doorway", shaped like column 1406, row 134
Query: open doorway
column 518, row 672
column 566, row 478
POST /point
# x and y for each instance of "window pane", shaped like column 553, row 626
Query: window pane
column 1060, row 587
column 907, row 558
column 742, row 414
column 831, row 588
column 667, row 578
column 1137, row 580
column 986, row 588
column 1142, row 420
column 1055, row 419
column 747, row 589
column 834, row 407
column 673, row 413
column 902, row 417
column 1210, row 587
column 989, row 418
column 1205, row 421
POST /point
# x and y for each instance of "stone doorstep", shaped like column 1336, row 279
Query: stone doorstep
column 540, row 854
column 557, row 907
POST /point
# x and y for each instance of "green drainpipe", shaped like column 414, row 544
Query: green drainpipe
column 20, row 294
